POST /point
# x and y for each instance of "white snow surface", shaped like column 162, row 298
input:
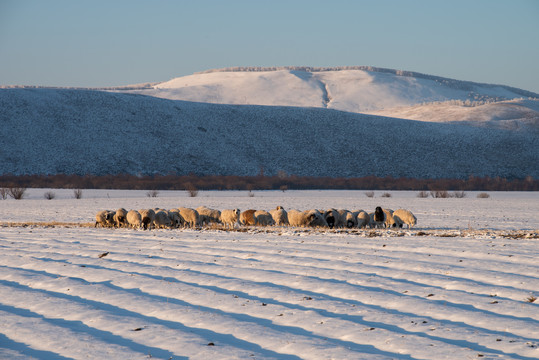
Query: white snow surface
column 457, row 286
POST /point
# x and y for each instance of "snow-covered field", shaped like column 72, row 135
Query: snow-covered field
column 456, row 287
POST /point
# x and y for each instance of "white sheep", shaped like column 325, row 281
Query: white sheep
column 264, row 218
column 306, row 218
column 403, row 216
column 104, row 218
column 230, row 217
column 347, row 219
column 162, row 220
column 120, row 219
column 147, row 216
column 362, row 218
column 280, row 216
column 190, row 217
column 332, row 218
column 207, row 216
column 134, row 219
column 175, row 218
column 390, row 221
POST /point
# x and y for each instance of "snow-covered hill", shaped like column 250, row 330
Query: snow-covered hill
column 358, row 89
column 516, row 114
column 48, row 131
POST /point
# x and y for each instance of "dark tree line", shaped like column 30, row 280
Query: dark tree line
column 261, row 182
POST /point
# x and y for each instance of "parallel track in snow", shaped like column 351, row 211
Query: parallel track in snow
column 282, row 295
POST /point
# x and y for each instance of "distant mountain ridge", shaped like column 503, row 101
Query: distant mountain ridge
column 444, row 80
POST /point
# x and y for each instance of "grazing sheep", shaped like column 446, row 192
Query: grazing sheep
column 264, row 218
column 390, row 221
column 379, row 217
column 306, row 218
column 175, row 218
column 230, row 217
column 363, row 219
column 104, row 218
column 347, row 219
column 332, row 218
column 403, row 216
column 207, row 216
column 134, row 219
column 247, row 217
column 120, row 219
column 280, row 216
column 147, row 216
column 190, row 217
column 162, row 220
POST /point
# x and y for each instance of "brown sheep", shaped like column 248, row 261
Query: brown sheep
column 247, row 217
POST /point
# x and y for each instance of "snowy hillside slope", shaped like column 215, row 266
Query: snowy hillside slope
column 359, row 89
column 510, row 114
column 46, row 131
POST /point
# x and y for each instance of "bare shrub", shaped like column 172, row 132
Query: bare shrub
column 283, row 188
column 440, row 194
column 77, row 193
column 483, row 196
column 531, row 299
column 3, row 193
column 152, row 193
column 386, row 195
column 369, row 194
column 17, row 193
column 49, row 195
column 459, row 194
column 192, row 191
column 423, row 194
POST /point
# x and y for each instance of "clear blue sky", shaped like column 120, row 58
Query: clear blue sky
column 118, row 42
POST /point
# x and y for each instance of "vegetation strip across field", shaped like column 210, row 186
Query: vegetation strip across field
column 386, row 233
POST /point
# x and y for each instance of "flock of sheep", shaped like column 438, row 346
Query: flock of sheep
column 187, row 217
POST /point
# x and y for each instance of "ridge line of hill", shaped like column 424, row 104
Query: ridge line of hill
column 405, row 73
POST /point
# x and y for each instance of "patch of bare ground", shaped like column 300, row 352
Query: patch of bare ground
column 47, row 224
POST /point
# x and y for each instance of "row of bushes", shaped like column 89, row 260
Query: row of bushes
column 17, row 193
column 282, row 182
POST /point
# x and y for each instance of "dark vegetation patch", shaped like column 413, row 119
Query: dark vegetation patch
column 282, row 182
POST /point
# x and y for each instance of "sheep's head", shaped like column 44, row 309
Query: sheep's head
column 316, row 219
column 378, row 214
column 330, row 217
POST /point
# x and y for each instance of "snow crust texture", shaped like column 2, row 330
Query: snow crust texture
column 93, row 293
column 49, row 131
